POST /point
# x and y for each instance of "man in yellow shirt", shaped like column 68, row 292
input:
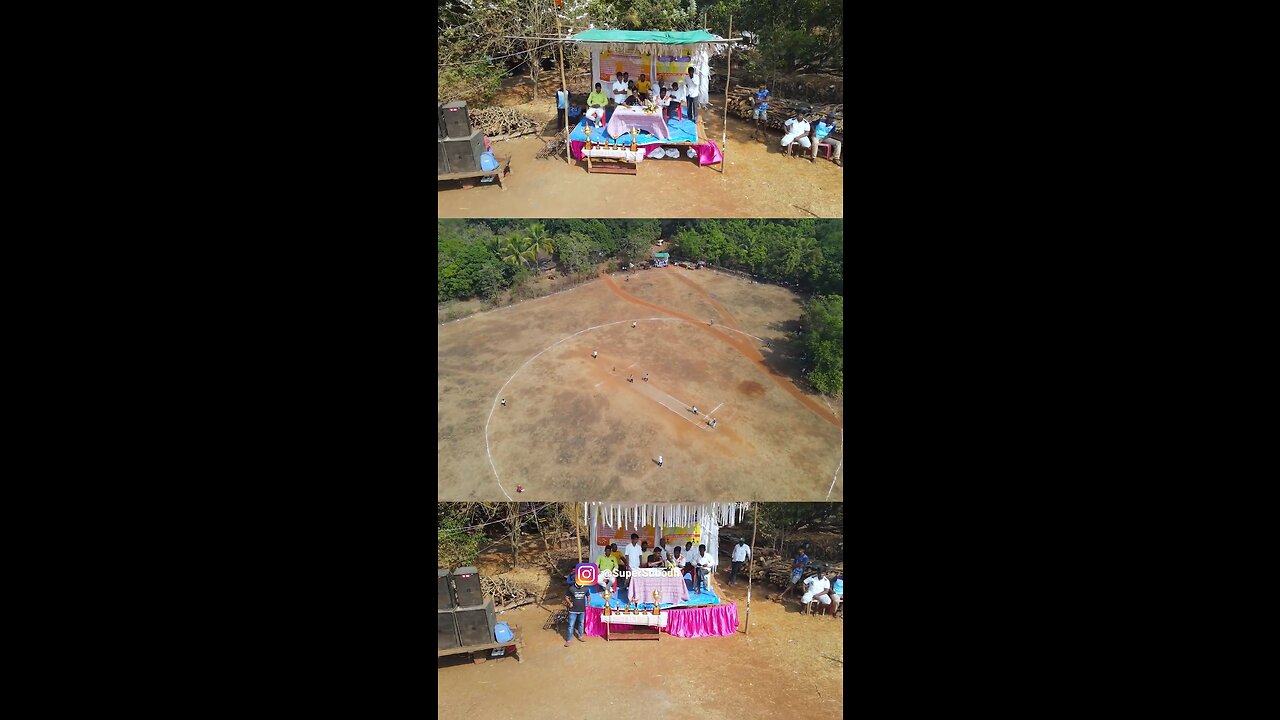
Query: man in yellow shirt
column 608, row 575
column 642, row 86
column 607, row 562
column 596, row 102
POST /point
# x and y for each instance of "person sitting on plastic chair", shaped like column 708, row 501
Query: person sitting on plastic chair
column 822, row 133
column 704, row 568
column 816, row 588
column 596, row 103
column 797, row 132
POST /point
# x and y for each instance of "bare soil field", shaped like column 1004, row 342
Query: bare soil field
column 759, row 181
column 576, row 427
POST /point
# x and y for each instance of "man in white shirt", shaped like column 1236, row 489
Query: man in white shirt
column 693, row 90
column 816, row 587
column 797, row 131
column 619, row 89
column 741, row 553
column 662, row 549
column 704, row 568
column 690, row 565
column 676, row 93
column 634, row 553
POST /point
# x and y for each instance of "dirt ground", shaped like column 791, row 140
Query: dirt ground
column 574, row 428
column 759, row 179
column 790, row 664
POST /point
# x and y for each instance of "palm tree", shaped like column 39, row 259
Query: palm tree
column 516, row 250
column 539, row 241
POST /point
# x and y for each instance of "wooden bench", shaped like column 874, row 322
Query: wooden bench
column 504, row 167
column 487, row 646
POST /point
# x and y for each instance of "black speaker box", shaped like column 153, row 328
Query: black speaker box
column 447, row 629
column 466, row 583
column 464, row 153
column 442, row 159
column 456, row 121
column 475, row 624
column 444, row 590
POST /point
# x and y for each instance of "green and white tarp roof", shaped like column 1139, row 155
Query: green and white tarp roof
column 692, row 37
column 622, row 40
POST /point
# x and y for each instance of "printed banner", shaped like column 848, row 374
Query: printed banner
column 674, row 66
column 606, row 534
column 683, row 535
column 612, row 63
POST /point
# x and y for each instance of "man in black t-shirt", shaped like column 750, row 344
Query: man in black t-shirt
column 575, row 598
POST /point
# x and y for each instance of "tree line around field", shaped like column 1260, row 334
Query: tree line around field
column 465, row 530
column 493, row 259
column 480, row 43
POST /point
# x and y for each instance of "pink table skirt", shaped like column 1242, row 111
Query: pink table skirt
column 624, row 119
column 673, row 589
column 714, row 621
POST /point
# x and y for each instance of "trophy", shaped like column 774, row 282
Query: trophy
column 657, row 594
column 634, row 133
column 587, row 130
column 606, row 603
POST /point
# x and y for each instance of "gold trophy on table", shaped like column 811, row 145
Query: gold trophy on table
column 587, row 130
column 634, row 133
column 657, row 595
column 607, row 611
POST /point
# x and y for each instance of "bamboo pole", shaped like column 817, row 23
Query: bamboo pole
column 515, row 534
column 724, row 131
column 565, row 86
column 577, row 528
column 751, row 564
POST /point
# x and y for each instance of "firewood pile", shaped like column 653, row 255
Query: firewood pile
column 741, row 103
column 505, row 594
column 500, row 123
column 773, row 568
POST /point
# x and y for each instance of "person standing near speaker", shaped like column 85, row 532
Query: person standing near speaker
column 576, row 600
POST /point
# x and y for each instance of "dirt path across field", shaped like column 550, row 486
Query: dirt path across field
column 748, row 350
column 728, row 318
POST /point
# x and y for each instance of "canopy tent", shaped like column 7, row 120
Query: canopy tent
column 696, row 522
column 663, row 56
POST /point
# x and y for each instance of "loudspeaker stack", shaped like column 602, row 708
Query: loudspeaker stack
column 464, row 615
column 459, row 148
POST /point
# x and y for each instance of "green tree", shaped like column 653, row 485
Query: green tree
column 651, row 14
column 636, row 246
column 824, row 341
column 516, row 251
column 782, row 519
column 690, row 244
column 539, row 241
column 575, row 252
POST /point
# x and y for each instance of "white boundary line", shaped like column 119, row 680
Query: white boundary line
column 489, row 450
column 713, row 412
column 833, row 477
